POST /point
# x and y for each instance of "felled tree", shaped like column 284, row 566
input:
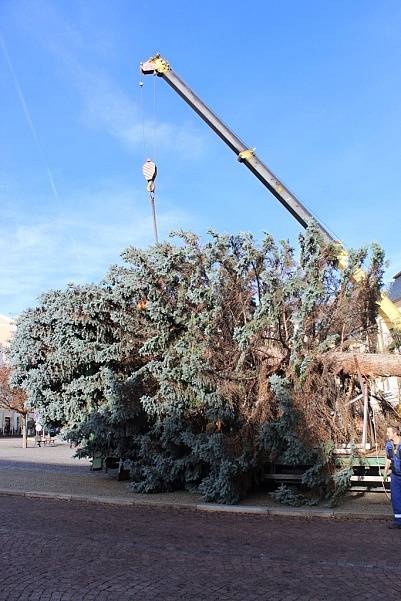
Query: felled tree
column 174, row 363
column 224, row 317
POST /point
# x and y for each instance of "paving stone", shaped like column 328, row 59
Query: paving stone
column 63, row 551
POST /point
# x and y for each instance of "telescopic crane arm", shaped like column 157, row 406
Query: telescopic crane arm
column 159, row 66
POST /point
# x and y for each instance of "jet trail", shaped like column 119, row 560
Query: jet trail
column 38, row 144
column 28, row 117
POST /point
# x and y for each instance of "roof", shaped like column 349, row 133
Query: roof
column 394, row 291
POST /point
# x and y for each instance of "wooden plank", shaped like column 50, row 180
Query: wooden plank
column 367, row 479
column 283, row 476
column 368, row 488
column 298, row 477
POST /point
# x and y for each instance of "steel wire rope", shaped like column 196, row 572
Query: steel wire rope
column 155, row 121
column 142, row 112
column 150, row 136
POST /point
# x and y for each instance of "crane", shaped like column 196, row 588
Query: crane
column 157, row 65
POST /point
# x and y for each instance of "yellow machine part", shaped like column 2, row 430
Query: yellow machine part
column 389, row 312
column 161, row 65
column 247, row 154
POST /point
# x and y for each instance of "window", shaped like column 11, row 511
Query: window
column 7, row 425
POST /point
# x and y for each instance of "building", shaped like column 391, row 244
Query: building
column 6, row 330
column 9, row 420
column 395, row 290
column 390, row 386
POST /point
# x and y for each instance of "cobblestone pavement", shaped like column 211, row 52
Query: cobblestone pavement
column 59, row 551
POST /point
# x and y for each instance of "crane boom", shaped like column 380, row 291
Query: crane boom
column 159, row 66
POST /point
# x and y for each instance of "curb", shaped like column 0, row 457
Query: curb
column 297, row 512
column 323, row 513
column 211, row 507
column 119, row 501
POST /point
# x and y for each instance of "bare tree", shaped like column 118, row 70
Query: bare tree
column 13, row 399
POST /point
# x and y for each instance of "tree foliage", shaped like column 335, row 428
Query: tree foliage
column 199, row 364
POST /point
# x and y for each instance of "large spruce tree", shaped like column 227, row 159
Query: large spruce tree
column 199, row 363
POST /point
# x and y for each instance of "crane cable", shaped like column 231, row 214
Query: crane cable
column 141, row 111
column 149, row 168
column 155, row 118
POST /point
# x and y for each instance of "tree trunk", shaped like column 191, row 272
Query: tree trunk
column 24, row 419
column 368, row 364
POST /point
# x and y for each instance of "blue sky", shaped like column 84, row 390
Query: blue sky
column 315, row 86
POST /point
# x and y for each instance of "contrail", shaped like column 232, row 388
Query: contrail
column 38, row 144
column 28, row 117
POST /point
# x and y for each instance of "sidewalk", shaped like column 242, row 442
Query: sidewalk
column 53, row 472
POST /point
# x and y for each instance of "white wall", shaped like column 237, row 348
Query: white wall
column 390, row 386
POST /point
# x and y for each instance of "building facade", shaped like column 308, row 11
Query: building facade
column 391, row 387
column 395, row 290
column 10, row 422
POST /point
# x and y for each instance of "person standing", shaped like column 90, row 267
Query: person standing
column 393, row 462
